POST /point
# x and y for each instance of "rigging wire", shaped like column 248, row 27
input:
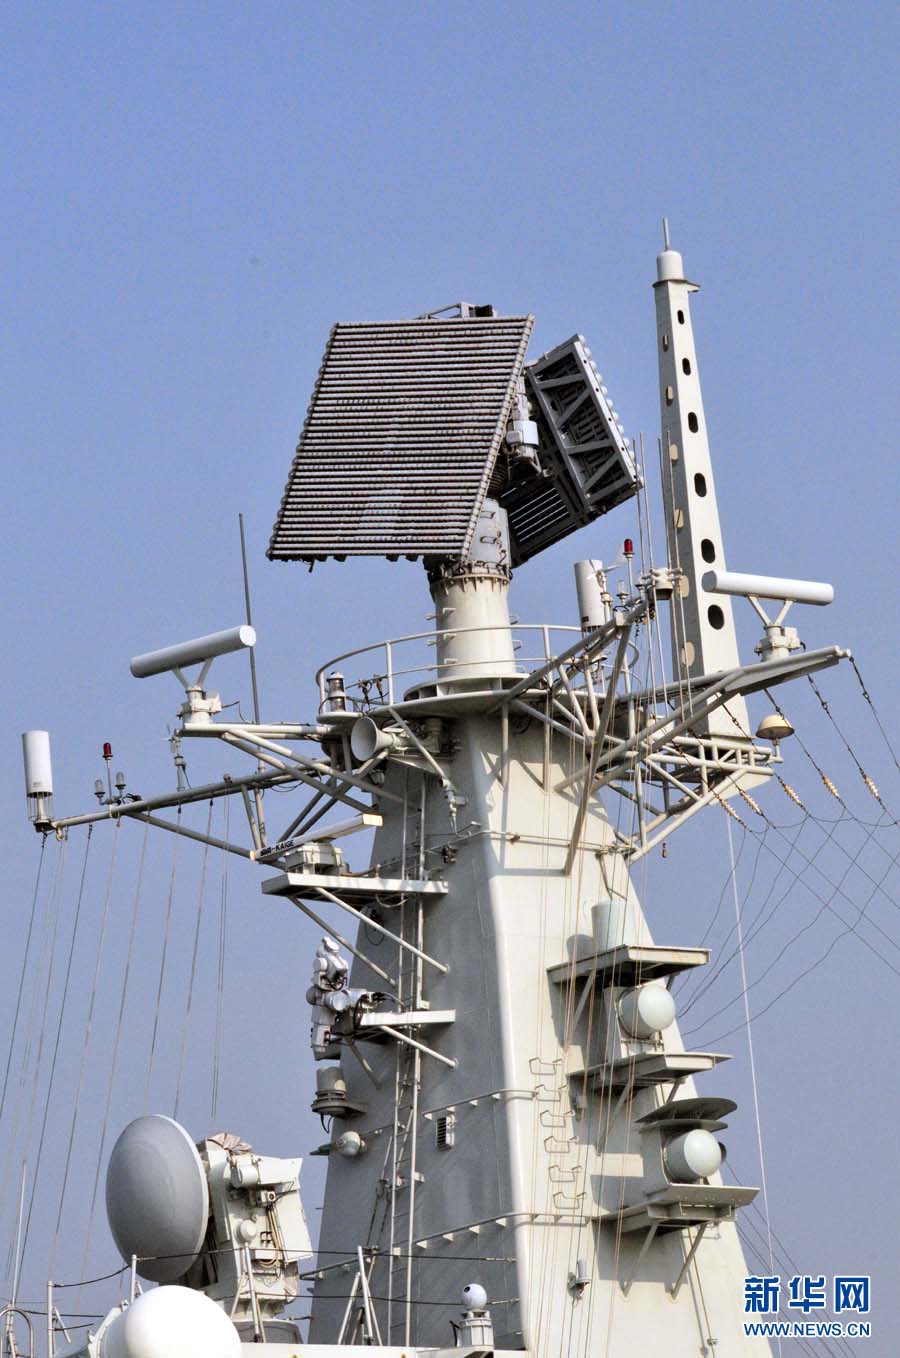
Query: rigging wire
column 786, row 1264
column 46, row 958
column 808, row 970
column 826, row 781
column 837, row 887
column 725, row 885
column 868, row 697
column 782, row 1256
column 35, row 1028
column 22, row 972
column 871, row 827
column 789, row 792
column 804, row 1344
column 220, row 971
column 606, row 1090
column 98, row 962
column 53, row 930
column 703, row 985
column 827, row 903
column 849, row 748
column 790, row 943
column 68, row 1149
column 194, row 955
column 750, row 1052
column 59, row 1030
column 165, row 953
column 114, row 1062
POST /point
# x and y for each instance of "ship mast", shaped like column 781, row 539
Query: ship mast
column 510, row 1111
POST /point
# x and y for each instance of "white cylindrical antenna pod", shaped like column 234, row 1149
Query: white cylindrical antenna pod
column 693, row 1155
column 593, row 611
column 768, row 587
column 195, row 652
column 38, row 770
column 646, row 1010
column 367, row 739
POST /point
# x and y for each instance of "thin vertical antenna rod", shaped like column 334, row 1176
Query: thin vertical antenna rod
column 249, row 618
column 257, row 794
column 8, row 1337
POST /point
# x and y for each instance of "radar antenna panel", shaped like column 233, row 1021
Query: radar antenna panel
column 413, row 424
column 401, row 437
column 586, row 465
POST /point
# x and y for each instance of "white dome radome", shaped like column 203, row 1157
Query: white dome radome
column 646, row 1010
column 172, row 1322
column 693, row 1155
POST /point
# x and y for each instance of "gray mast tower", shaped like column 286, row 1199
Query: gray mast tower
column 529, row 1104
column 511, row 1115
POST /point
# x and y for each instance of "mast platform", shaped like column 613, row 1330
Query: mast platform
column 628, row 965
column 644, row 1069
column 682, row 1205
column 361, row 890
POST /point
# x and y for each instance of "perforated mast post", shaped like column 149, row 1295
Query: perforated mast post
column 703, row 633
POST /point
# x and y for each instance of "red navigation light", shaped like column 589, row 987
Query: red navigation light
column 107, row 750
column 629, row 547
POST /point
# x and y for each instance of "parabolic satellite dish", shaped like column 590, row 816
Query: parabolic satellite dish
column 157, row 1199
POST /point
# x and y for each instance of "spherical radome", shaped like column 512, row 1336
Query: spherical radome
column 172, row 1322
column 474, row 1296
column 693, row 1155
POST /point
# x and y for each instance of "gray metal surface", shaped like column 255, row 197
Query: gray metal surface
column 586, row 466
column 401, row 437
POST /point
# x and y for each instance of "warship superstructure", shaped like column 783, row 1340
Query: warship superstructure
column 522, row 1155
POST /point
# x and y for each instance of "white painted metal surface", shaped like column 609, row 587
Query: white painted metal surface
column 768, row 587
column 171, row 1322
column 196, row 652
column 38, row 768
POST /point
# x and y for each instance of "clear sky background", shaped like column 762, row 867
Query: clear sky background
column 192, row 195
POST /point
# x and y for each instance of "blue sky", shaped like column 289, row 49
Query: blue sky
column 192, row 195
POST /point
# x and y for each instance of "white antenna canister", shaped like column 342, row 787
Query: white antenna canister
column 38, row 775
column 778, row 640
column 768, row 587
column 594, row 603
column 196, row 652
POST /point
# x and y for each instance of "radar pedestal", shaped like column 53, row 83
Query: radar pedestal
column 471, row 598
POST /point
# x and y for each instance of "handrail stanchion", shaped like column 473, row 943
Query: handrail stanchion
column 389, row 661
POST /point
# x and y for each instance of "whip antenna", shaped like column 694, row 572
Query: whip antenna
column 249, row 618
